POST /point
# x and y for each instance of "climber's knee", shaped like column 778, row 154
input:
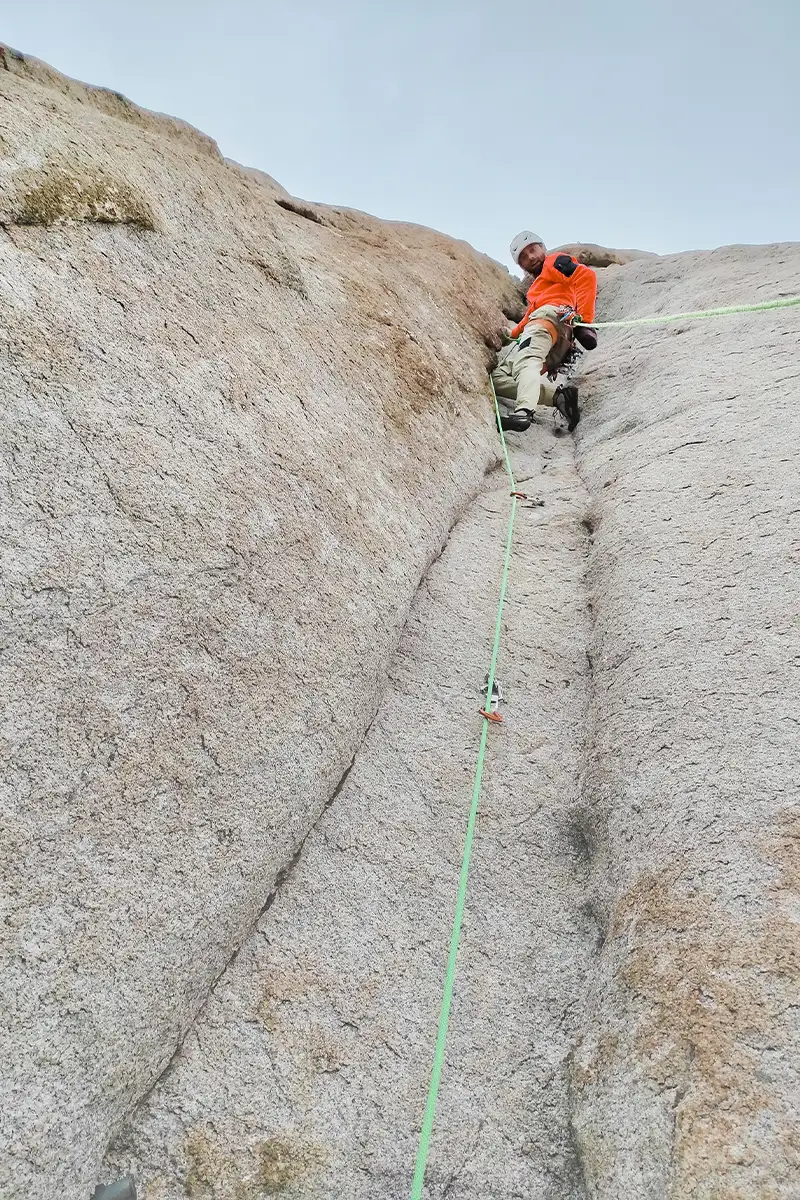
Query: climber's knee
column 535, row 343
column 505, row 386
column 529, row 382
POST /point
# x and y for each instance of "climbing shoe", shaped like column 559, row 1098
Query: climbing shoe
column 566, row 401
column 516, row 421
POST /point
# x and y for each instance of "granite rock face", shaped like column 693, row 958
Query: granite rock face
column 624, row 1021
column 236, row 430
column 242, row 686
column 603, row 256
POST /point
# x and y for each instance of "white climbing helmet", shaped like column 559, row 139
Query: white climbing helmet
column 526, row 238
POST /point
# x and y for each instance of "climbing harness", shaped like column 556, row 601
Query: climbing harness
column 567, row 315
column 490, row 716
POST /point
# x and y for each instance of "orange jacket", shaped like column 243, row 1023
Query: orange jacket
column 563, row 280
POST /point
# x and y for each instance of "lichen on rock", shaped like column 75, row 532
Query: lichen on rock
column 283, row 1161
column 57, row 194
column 268, row 1168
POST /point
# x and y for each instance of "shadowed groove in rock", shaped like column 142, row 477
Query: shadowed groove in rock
column 284, row 874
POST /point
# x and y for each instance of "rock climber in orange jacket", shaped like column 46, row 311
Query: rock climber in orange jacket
column 560, row 286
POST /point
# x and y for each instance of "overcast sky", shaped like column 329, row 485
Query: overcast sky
column 663, row 125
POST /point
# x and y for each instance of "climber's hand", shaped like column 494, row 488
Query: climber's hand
column 495, row 341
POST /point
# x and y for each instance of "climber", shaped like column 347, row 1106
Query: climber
column 562, row 295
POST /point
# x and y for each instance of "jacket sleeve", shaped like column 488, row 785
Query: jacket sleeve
column 517, row 330
column 585, row 281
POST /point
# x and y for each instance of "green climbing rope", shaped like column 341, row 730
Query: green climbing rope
column 786, row 302
column 461, row 895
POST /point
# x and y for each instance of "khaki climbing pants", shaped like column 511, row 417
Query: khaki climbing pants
column 518, row 378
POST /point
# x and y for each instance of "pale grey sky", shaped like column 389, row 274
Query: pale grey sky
column 664, row 125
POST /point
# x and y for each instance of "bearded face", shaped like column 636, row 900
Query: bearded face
column 531, row 259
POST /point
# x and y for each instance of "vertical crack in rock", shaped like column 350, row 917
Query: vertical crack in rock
column 320, row 1033
column 285, row 872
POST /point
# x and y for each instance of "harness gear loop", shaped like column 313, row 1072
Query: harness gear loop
column 547, row 324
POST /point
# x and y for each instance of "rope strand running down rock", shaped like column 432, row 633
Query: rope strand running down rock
column 447, row 992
